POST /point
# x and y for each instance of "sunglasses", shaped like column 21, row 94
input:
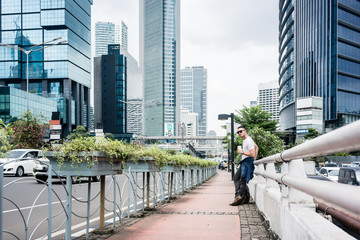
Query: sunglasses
column 240, row 131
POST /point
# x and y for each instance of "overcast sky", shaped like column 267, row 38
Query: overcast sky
column 236, row 40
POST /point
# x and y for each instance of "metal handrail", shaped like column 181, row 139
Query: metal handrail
column 328, row 191
column 344, row 139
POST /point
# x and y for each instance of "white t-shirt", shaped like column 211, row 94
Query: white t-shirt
column 248, row 144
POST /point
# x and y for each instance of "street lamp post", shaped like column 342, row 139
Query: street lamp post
column 27, row 52
column 225, row 117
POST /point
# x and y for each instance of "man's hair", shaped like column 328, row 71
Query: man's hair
column 241, row 126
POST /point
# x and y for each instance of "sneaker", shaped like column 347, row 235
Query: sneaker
column 236, row 201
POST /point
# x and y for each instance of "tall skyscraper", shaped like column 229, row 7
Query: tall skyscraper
column 269, row 98
column 160, row 64
column 110, row 96
column 124, row 36
column 193, row 94
column 135, row 95
column 104, row 35
column 59, row 72
column 320, row 56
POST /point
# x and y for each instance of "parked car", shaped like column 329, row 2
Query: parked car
column 22, row 161
column 349, row 175
column 41, row 175
column 326, row 171
column 334, row 175
column 355, row 164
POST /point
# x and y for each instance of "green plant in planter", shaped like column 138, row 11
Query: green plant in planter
column 82, row 150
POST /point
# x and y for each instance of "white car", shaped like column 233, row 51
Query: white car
column 330, row 172
column 20, row 162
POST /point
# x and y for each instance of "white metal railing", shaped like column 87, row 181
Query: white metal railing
column 120, row 195
column 293, row 177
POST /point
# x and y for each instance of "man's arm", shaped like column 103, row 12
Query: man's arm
column 251, row 153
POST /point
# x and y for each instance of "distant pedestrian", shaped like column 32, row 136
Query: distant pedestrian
column 246, row 170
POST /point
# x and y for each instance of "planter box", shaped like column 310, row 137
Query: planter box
column 100, row 165
column 148, row 165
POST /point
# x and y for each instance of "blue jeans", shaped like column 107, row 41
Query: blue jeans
column 243, row 175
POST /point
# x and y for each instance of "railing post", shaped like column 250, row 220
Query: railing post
column 192, row 178
column 162, row 196
column 147, row 189
column 49, row 201
column 1, row 198
column 155, row 194
column 175, row 184
column 171, row 183
column 143, row 192
column 102, row 201
column 68, row 208
column 114, row 205
column 183, row 181
column 129, row 190
column 88, row 208
column 296, row 169
column 270, row 168
column 135, row 193
column 284, row 188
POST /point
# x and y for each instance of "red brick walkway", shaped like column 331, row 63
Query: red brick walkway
column 203, row 213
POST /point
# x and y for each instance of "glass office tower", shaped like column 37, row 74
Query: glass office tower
column 59, row 72
column 160, row 63
column 193, row 95
column 326, row 62
column 104, row 35
column 286, row 68
column 110, row 82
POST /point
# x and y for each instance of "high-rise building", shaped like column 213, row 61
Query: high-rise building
column 135, row 95
column 110, row 96
column 117, row 34
column 193, row 94
column 286, row 61
column 188, row 123
column 160, row 64
column 124, row 36
column 269, row 98
column 319, row 56
column 60, row 72
column 104, row 35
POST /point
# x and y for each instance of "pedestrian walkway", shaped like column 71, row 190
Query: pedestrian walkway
column 203, row 213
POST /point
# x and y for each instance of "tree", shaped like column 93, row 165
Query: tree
column 267, row 142
column 28, row 131
column 311, row 134
column 79, row 132
column 255, row 117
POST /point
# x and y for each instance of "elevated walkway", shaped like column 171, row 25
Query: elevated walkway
column 203, row 213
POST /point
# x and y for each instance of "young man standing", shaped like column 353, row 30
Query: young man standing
column 245, row 173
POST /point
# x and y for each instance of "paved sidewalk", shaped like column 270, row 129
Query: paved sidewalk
column 203, row 213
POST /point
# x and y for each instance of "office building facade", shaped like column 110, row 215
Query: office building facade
column 104, row 35
column 13, row 104
column 160, row 64
column 124, row 36
column 193, row 94
column 110, row 96
column 59, row 72
column 269, row 98
column 320, row 56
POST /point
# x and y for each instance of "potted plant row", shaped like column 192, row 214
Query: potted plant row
column 100, row 156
